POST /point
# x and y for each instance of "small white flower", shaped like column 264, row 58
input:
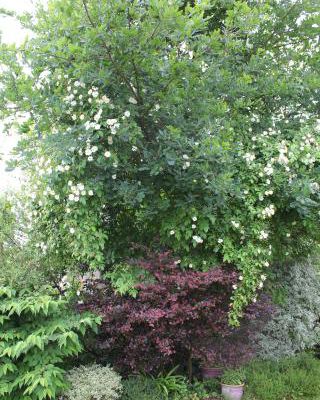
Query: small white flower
column 269, row 211
column 177, row 262
column 134, row 148
column 240, row 278
column 190, row 265
column 234, row 287
column 94, row 149
column 263, row 277
column 235, row 224
column 263, row 235
column 88, row 152
column 268, row 170
column 98, row 115
column 132, row 100
column 249, row 157
column 220, row 240
column 193, row 226
column 197, row 239
column 127, row 114
column 90, row 192
column 288, row 235
column 110, row 139
column 283, row 159
column 107, row 154
column 172, row 232
column 114, row 176
column 90, row 158
column 105, row 99
column 266, row 263
column 260, row 286
column 204, row 66
column 194, row 218
column 185, row 157
column 111, row 121
column 71, row 197
column 72, row 231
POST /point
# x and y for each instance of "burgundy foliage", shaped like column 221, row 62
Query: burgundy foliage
column 169, row 320
column 238, row 346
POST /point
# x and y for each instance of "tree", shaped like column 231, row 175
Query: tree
column 190, row 127
column 174, row 316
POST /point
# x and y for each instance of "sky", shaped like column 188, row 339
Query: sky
column 11, row 31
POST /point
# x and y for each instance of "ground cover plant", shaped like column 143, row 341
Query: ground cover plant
column 93, row 382
column 289, row 378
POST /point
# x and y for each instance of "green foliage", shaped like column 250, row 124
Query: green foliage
column 94, row 382
column 203, row 390
column 194, row 128
column 22, row 264
column 142, row 388
column 38, row 333
column 176, row 388
column 125, row 277
column 234, row 377
column 296, row 324
column 292, row 378
column 172, row 386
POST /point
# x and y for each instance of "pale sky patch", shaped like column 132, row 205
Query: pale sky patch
column 11, row 32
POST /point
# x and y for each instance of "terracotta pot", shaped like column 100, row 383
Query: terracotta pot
column 211, row 372
column 232, row 392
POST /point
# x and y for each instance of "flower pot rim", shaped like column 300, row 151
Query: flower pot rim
column 225, row 384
